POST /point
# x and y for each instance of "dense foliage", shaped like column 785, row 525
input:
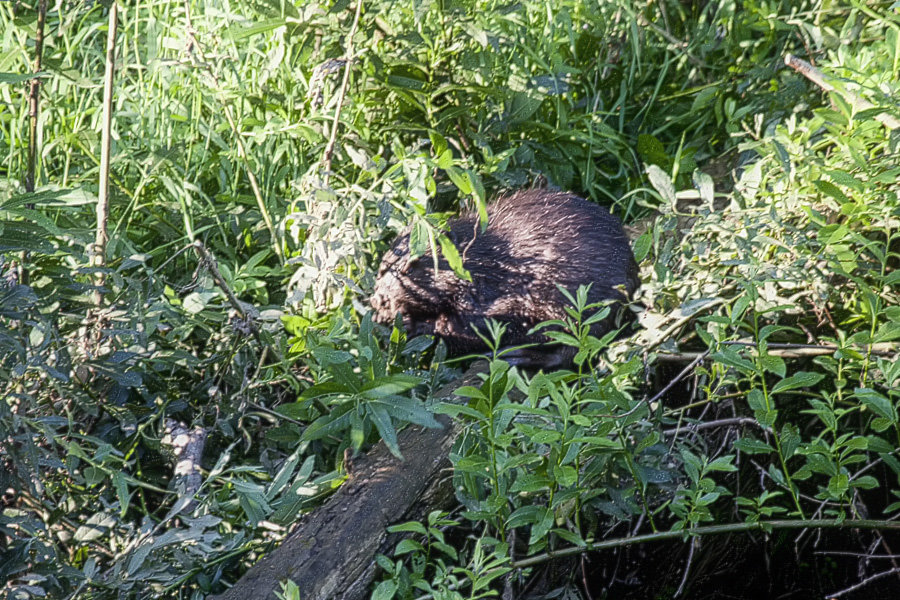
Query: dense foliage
column 264, row 153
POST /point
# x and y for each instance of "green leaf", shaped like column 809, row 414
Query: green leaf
column 239, row 31
column 451, row 253
column 565, row 476
column 123, row 495
column 571, row 537
column 838, row 485
column 406, row 410
column 704, row 184
column 382, row 421
column 330, row 356
column 723, row 463
column 476, row 185
column 530, row 483
column 454, row 410
column 438, row 143
column 19, row 78
column 93, row 476
column 773, row 364
column 819, row 463
column 444, row 160
column 542, row 527
column 338, row 421
column 408, row 527
column 647, row 442
column 866, row 482
column 385, row 590
column 652, row 151
column 460, row 179
column 525, row 515
column 753, row 446
column 731, row 358
column 877, row 403
column 325, row 388
column 790, row 440
column 389, row 385
column 406, row 546
column 756, row 400
column 283, row 476
column 467, row 391
column 642, row 246
column 799, row 380
column 662, row 183
column 846, row 179
column 829, row 189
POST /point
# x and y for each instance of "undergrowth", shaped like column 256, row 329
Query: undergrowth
column 256, row 176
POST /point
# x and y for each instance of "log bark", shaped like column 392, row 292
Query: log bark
column 331, row 553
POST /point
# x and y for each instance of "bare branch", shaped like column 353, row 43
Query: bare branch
column 820, row 79
column 329, row 149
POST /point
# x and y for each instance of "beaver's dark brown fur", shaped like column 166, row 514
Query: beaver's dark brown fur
column 534, row 241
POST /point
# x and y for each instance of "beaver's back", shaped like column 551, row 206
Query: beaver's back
column 535, row 240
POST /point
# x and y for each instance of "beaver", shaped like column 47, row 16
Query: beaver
column 534, row 241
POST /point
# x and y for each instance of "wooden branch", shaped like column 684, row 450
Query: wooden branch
column 331, row 554
column 820, row 79
column 208, row 260
column 187, row 447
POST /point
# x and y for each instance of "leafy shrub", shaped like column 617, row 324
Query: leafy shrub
column 233, row 128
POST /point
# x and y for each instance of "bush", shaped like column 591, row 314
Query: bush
column 257, row 174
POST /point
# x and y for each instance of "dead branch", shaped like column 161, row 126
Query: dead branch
column 330, row 556
column 823, row 81
column 187, row 446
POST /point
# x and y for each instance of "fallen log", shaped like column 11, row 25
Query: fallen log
column 331, row 553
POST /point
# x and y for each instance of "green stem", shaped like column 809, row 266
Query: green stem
column 768, row 400
column 501, row 523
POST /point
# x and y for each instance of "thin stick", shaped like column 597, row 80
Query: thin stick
column 209, row 262
column 707, row 530
column 820, row 79
column 98, row 255
column 687, row 569
column 862, row 583
column 691, row 427
column 34, row 97
column 329, row 149
column 34, row 112
column 789, row 351
column 684, row 373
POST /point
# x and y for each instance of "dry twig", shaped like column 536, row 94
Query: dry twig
column 98, row 253
column 823, row 81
